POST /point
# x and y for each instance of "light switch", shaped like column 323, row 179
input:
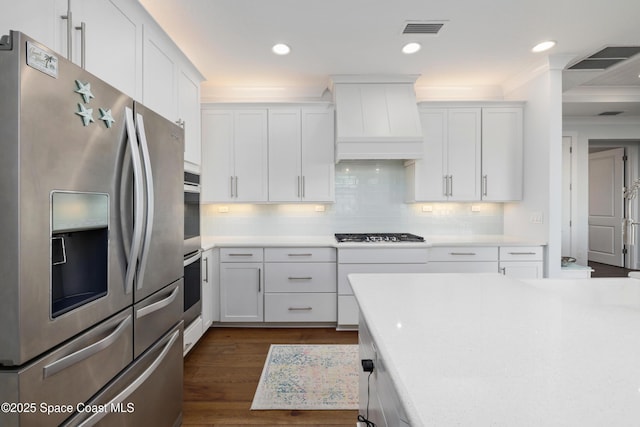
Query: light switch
column 536, row 218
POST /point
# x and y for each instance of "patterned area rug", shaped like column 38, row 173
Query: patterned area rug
column 309, row 377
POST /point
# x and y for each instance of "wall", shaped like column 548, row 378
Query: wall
column 543, row 163
column 584, row 130
column 369, row 198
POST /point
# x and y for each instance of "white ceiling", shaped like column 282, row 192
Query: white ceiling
column 482, row 45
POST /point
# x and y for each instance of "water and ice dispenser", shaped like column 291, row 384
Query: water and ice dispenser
column 79, row 249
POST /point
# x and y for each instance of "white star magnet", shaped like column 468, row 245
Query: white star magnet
column 86, row 114
column 106, row 117
column 84, row 89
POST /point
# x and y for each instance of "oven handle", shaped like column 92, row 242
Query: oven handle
column 191, row 188
column 136, row 241
column 192, row 259
column 150, row 199
column 124, row 394
column 159, row 305
column 80, row 355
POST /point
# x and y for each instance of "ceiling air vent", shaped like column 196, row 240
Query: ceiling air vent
column 422, row 27
column 606, row 57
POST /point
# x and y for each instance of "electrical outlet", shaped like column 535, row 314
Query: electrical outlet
column 223, row 209
column 536, row 218
column 319, row 208
column 475, row 208
column 427, row 208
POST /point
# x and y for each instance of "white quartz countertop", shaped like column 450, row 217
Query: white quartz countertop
column 209, row 242
column 488, row 350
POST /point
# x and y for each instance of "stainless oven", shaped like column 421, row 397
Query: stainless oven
column 192, row 286
column 191, row 212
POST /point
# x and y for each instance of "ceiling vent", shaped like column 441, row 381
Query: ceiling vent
column 610, row 113
column 423, row 27
column 606, row 57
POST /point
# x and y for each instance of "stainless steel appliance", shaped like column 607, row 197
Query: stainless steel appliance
column 91, row 190
column 191, row 212
column 192, row 287
column 378, row 237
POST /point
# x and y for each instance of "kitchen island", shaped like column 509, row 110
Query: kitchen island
column 486, row 349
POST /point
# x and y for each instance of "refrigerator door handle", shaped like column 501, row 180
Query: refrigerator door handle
column 132, row 262
column 157, row 305
column 124, row 394
column 146, row 158
column 80, row 355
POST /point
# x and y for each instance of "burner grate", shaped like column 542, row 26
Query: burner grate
column 378, row 237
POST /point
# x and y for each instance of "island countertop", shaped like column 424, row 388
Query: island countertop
column 489, row 350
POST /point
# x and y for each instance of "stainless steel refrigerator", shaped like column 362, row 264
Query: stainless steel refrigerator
column 91, row 264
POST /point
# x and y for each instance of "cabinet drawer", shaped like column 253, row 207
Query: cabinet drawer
column 298, row 307
column 464, row 253
column 241, row 254
column 463, row 267
column 300, row 277
column 300, row 255
column 373, row 255
column 521, row 253
column 344, row 288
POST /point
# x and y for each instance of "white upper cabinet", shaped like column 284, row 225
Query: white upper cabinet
column 471, row 153
column 450, row 166
column 234, row 156
column 189, row 117
column 301, row 155
column 502, row 145
column 160, row 75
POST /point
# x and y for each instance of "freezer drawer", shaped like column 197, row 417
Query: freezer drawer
column 155, row 315
column 148, row 393
column 69, row 375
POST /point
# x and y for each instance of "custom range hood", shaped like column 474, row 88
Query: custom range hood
column 376, row 117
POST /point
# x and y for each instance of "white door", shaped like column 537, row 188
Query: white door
column 241, row 292
column 463, row 153
column 318, row 159
column 285, row 176
column 431, row 169
column 606, row 208
column 159, row 68
column 566, row 196
column 250, row 156
column 217, row 154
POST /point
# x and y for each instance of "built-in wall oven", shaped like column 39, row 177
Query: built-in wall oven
column 192, row 250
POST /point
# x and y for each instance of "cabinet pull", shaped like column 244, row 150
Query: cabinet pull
column 83, row 44
column 462, row 253
column 503, row 270
column 522, row 253
column 259, row 280
column 69, row 19
column 450, row 185
column 299, row 194
column 299, row 254
column 303, row 187
column 240, row 254
column 236, row 187
column 300, row 308
column 484, row 185
column 299, row 278
column 231, row 186
column 206, row 270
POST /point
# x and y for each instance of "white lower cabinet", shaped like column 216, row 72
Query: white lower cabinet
column 210, row 288
column 292, row 285
column 372, row 260
column 192, row 334
column 241, row 285
column 463, row 259
column 524, row 262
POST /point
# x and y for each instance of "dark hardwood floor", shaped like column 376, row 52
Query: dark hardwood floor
column 222, row 372
column 605, row 270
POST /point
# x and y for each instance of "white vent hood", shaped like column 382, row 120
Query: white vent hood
column 376, row 117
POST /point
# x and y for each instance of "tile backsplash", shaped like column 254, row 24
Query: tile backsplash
column 369, row 198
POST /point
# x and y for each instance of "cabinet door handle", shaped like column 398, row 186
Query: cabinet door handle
column 231, row 186
column 299, row 278
column 462, row 253
column 450, row 185
column 299, row 192
column 83, row 44
column 503, row 270
column 484, row 185
column 299, row 254
column 240, row 254
column 300, row 308
column 303, row 187
column 69, row 19
column 522, row 253
column 259, row 280
column 206, row 270
column 236, row 187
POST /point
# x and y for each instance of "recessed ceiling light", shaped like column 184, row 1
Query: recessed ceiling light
column 410, row 48
column 541, row 47
column 281, row 49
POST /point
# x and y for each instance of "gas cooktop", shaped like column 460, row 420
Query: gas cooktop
column 378, row 237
